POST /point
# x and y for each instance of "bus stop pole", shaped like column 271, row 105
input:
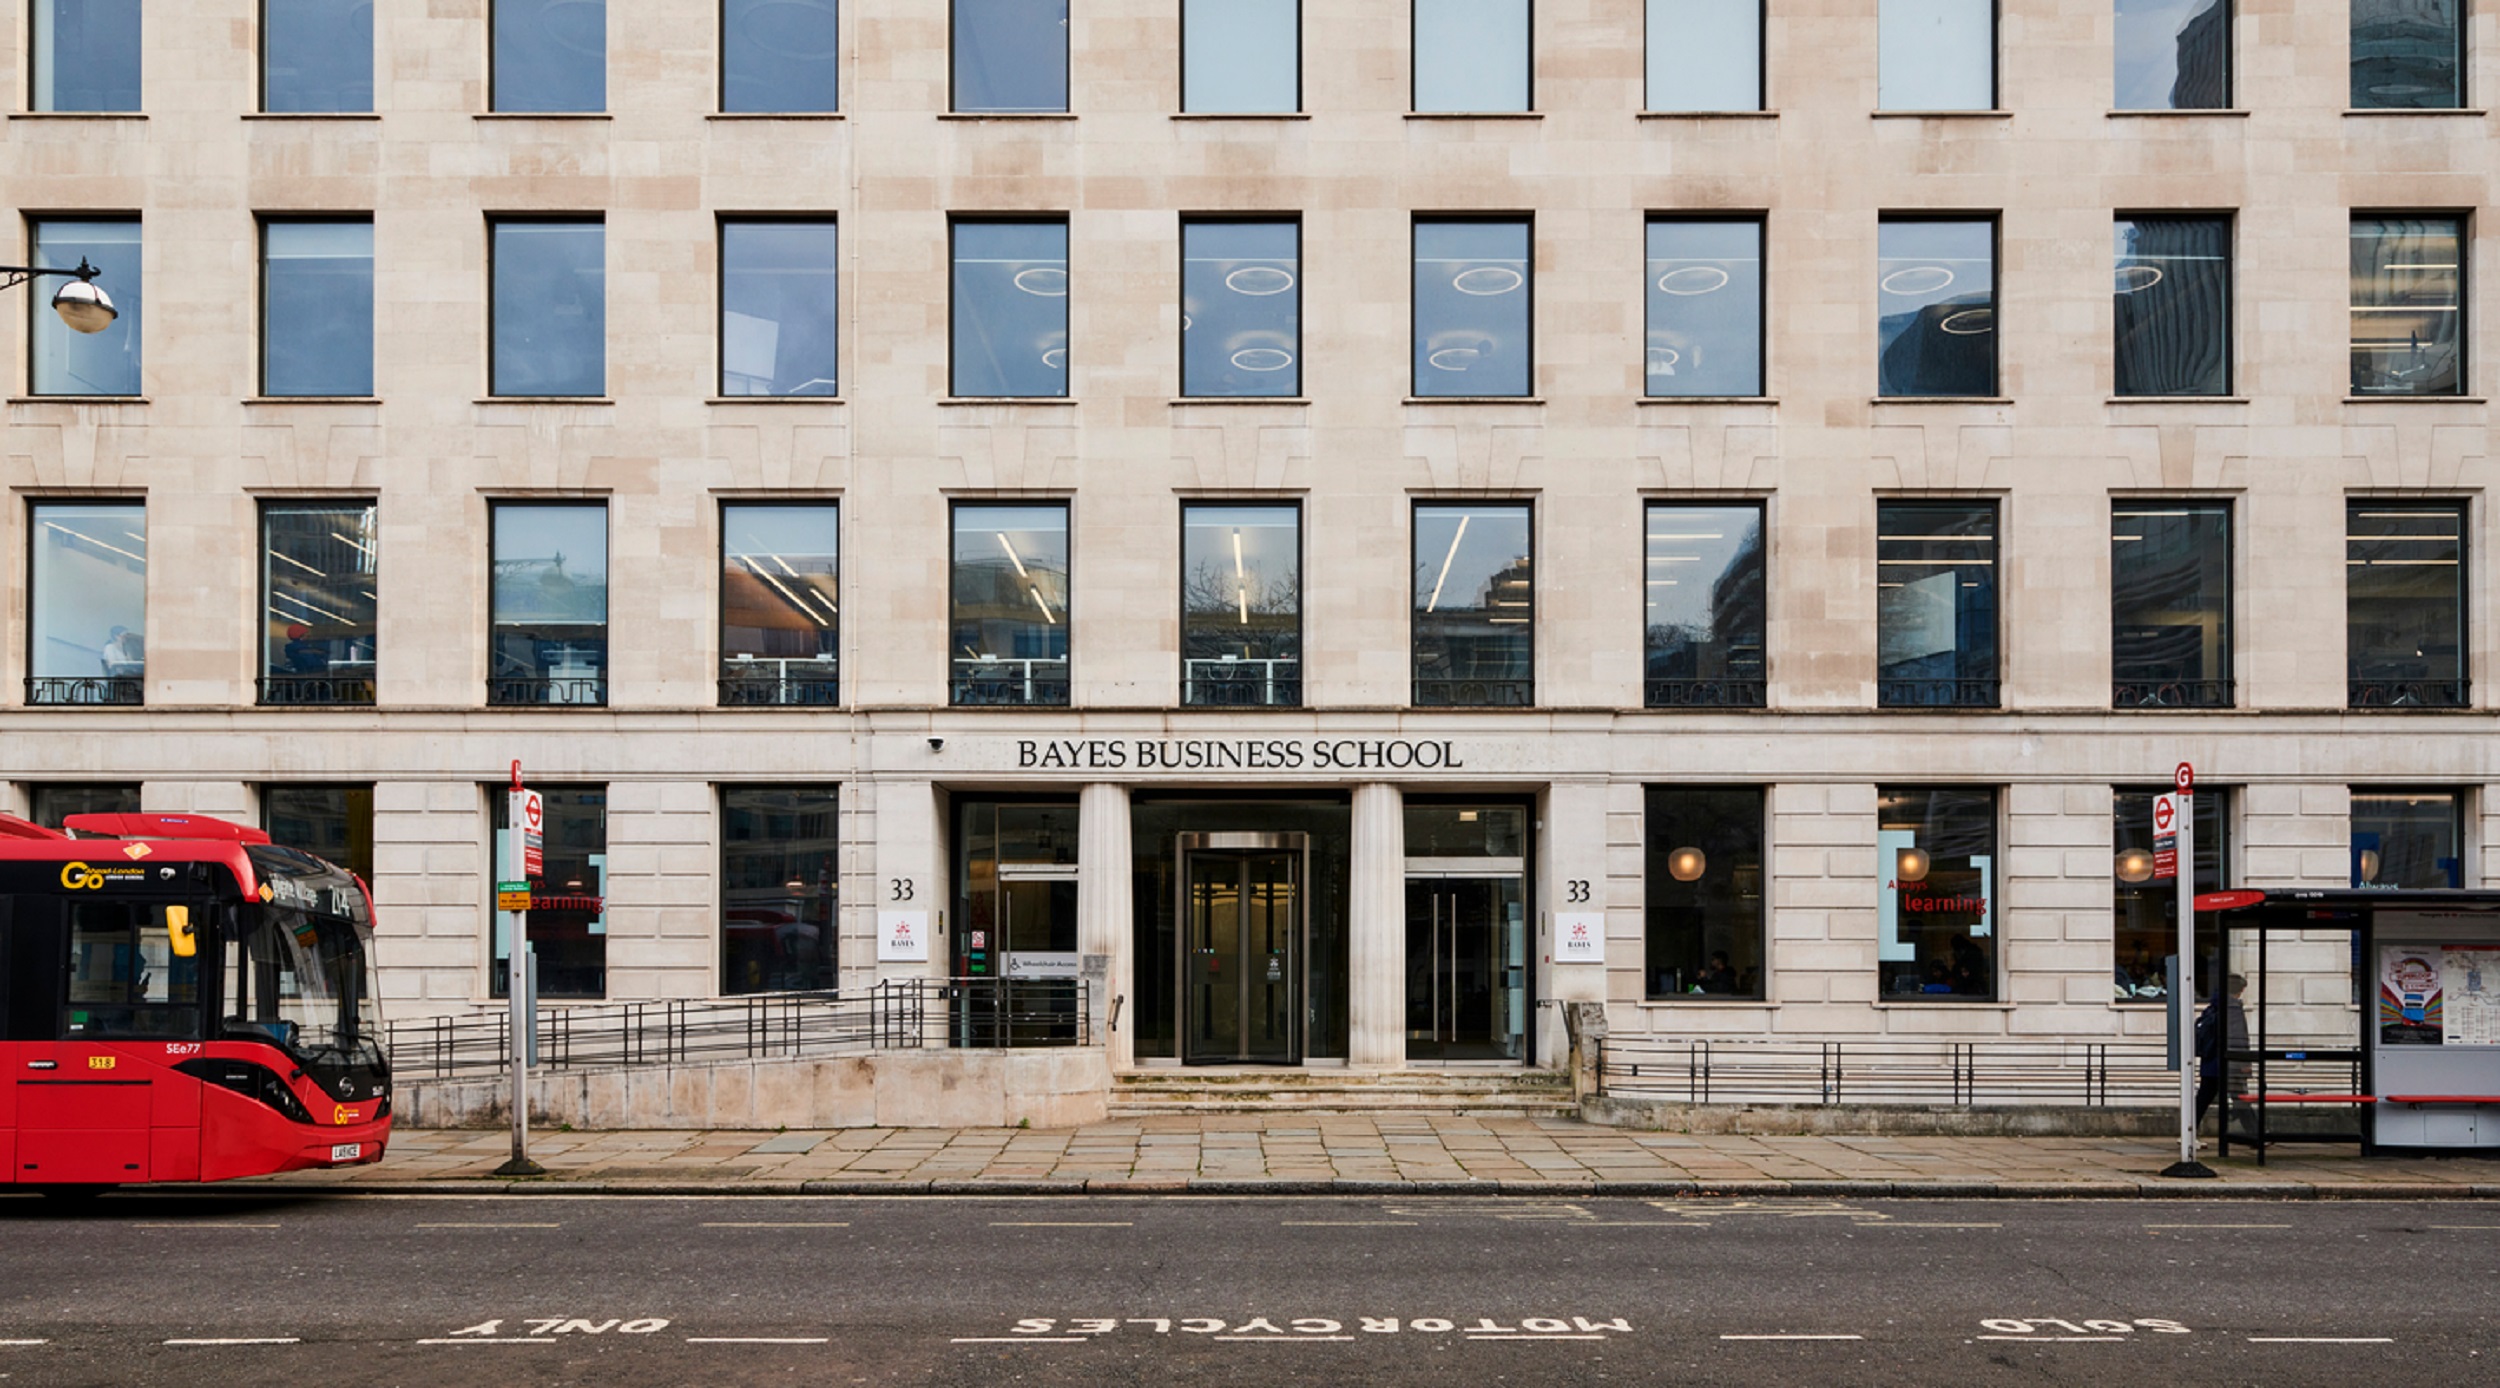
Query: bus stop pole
column 517, row 986
column 2188, row 1165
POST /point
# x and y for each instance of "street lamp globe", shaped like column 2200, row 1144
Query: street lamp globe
column 84, row 307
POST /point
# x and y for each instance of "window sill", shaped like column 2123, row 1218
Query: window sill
column 1182, row 400
column 1475, row 400
column 773, row 115
column 2177, row 400
column 1956, row 1004
column 2414, row 400
column 1475, row 115
column 1765, row 114
column 78, row 400
column 2476, row 111
column 965, row 401
column 1995, row 114
column 540, row 115
column 312, row 400
column 773, row 400
column 2226, row 112
column 1241, row 115
column 312, row 115
column 78, row 115
column 1706, row 1000
column 1006, row 115
column 1940, row 400
column 1707, row 400
column 545, row 400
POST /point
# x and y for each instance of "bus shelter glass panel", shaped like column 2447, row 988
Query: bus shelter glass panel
column 2145, row 929
column 1473, row 310
column 69, row 362
column 780, row 56
column 316, row 56
column 568, row 923
column 1936, row 604
column 2408, row 305
column 320, row 594
column 1011, row 56
column 1241, row 57
column 2171, row 305
column 1704, row 914
column 1474, row 605
column 2172, row 55
column 1935, row 331
column 550, row 56
column 1009, row 612
column 2170, row 604
column 780, row 887
column 88, row 601
column 1705, row 307
column 2407, row 838
column 1241, row 605
column 1704, row 55
column 2404, row 604
column 1241, row 308
column 1935, row 902
column 1704, row 607
column 549, row 603
column 2408, row 54
column 780, row 639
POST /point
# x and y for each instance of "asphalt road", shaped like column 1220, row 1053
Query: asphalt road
column 440, row 1291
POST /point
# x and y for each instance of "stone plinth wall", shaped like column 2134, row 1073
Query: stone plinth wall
column 887, row 1089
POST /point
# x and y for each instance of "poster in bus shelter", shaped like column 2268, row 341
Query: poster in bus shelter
column 2409, row 1011
column 2470, row 994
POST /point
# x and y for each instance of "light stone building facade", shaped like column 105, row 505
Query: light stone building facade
column 662, row 449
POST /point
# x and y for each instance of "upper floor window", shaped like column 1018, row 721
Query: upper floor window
column 87, row 601
column 2408, row 305
column 1702, row 870
column 780, row 57
column 1935, row 55
column 1936, row 604
column 70, row 362
column 1935, row 331
column 1241, row 57
column 1011, row 56
column 316, row 308
column 2173, row 55
column 1241, row 604
column 1704, row 604
column 2170, row 604
column 2408, row 54
column 549, row 56
column 319, row 595
column 86, row 55
column 1705, row 306
column 1008, row 612
column 2171, row 302
column 549, row 313
column 2407, row 838
column 1473, row 55
column 1473, row 306
column 1936, row 903
column 1704, row 55
column 316, row 56
column 778, row 327
column 2404, row 603
column 1241, row 307
column 2146, row 926
column 780, row 623
column 1475, row 604
column 1011, row 309
column 780, row 887
column 548, row 604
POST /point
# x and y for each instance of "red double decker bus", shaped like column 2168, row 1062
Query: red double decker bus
column 182, row 1000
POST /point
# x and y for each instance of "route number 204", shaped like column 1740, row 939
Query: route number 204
column 2025, row 1327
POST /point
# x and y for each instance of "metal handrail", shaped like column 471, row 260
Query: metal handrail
column 2119, row 1072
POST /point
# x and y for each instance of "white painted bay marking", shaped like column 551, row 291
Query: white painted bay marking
column 1786, row 1337
column 511, row 1341
column 2217, row 1226
column 2061, row 1339
column 21, row 1344
column 1018, row 1340
column 264, row 1340
column 490, row 1226
column 1061, row 1224
column 1530, row 1337
column 2465, row 1226
column 2321, row 1340
column 768, row 1224
column 1283, row 1339
column 1891, row 1224
column 1641, row 1224
column 756, row 1340
column 194, row 1225
column 1348, row 1223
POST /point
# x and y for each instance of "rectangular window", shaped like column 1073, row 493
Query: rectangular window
column 2171, row 301
column 2408, row 305
column 1704, row 55
column 1011, row 56
column 1241, row 307
column 780, row 57
column 2146, row 931
column 334, row 823
column 88, row 603
column 1936, row 604
column 1703, row 869
column 1473, row 55
column 1935, row 55
column 2404, row 604
column 1011, row 309
column 1241, row 604
column 86, row 55
column 316, row 56
column 1473, row 307
column 780, row 624
column 780, row 888
column 1241, row 57
column 1705, row 306
column 70, row 362
column 316, row 307
column 124, row 981
column 568, row 921
column 1935, row 331
column 2408, row 54
column 549, row 604
column 550, row 56
column 1704, row 603
column 549, row 314
column 1009, row 613
column 1475, row 605
column 2405, row 839
column 2173, row 55
column 2170, row 604
column 319, row 596
column 779, row 332
column 1935, row 907
column 54, row 803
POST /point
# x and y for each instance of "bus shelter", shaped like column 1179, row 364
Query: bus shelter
column 2372, row 1015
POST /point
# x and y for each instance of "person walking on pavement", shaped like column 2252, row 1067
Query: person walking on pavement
column 2223, row 1027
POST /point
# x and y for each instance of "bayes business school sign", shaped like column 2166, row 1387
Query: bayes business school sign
column 1236, row 754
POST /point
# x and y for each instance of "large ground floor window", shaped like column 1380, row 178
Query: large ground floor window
column 780, row 892
column 1936, row 907
column 568, row 922
column 1702, row 860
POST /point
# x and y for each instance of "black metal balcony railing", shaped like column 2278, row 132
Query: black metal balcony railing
column 1723, row 693
column 779, row 683
column 1494, row 693
column 2171, row 694
column 1241, row 683
column 1934, row 693
column 1009, row 683
column 2405, row 694
column 523, row 690
column 44, row 690
column 317, row 691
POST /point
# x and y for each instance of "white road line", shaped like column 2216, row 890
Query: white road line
column 21, row 1344
column 1891, row 1224
column 2217, row 1226
column 267, row 1340
column 475, row 1340
column 2465, row 1226
column 490, row 1226
column 1283, row 1339
column 755, row 1340
column 767, row 1224
column 1639, row 1224
column 1348, row 1223
column 1017, row 1340
column 1529, row 1337
column 2061, row 1339
column 2321, row 1340
column 203, row 1226
column 1061, row 1224
column 1792, row 1337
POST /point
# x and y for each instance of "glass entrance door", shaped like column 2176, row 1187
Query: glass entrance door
column 1466, row 968
column 1241, row 961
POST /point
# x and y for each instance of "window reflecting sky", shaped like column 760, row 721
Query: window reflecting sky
column 1471, row 307
column 89, row 598
column 1011, row 55
column 1935, row 55
column 2407, row 54
column 1935, row 599
column 1935, row 290
column 550, row 55
column 68, row 362
column 1471, row 55
column 1702, row 586
column 1011, row 583
column 1241, row 308
column 1241, row 580
column 317, row 308
column 779, row 55
column 2408, row 312
column 1475, row 602
column 2172, row 55
column 316, row 55
column 550, row 308
column 1011, row 309
column 1241, row 56
column 86, row 55
column 1704, row 55
column 1705, row 308
column 779, row 565
column 778, row 329
column 2172, row 282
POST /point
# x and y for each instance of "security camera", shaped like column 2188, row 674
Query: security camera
column 937, row 744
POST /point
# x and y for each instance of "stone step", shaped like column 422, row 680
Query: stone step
column 1472, row 1093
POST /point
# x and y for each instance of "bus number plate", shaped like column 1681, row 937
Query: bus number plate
column 347, row 1151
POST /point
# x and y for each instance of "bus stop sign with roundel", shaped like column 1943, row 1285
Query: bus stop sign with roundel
column 2165, row 837
column 533, row 834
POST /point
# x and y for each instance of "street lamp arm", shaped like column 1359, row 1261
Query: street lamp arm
column 11, row 276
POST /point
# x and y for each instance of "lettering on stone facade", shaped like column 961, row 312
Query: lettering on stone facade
column 1236, row 754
